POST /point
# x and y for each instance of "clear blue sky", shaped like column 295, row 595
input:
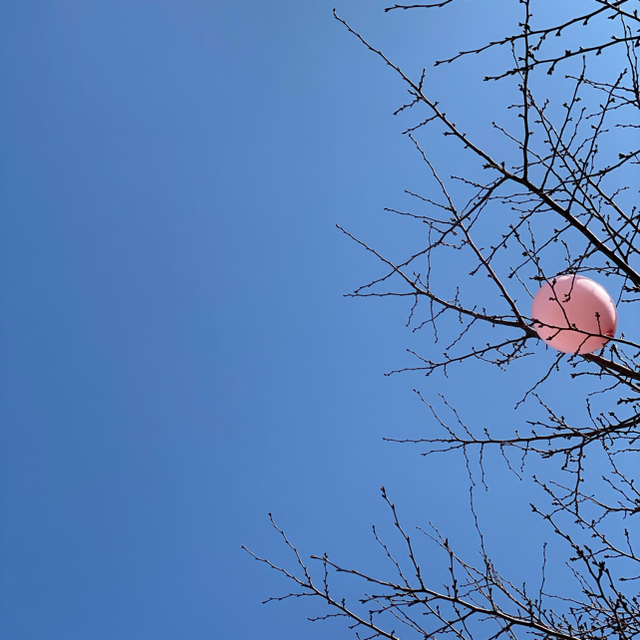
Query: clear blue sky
column 177, row 356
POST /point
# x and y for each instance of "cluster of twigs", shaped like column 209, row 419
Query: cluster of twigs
column 564, row 186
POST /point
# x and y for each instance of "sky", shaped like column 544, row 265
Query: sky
column 178, row 358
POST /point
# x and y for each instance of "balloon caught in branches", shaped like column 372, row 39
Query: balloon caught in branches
column 574, row 314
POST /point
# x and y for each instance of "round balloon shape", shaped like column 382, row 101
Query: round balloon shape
column 574, row 314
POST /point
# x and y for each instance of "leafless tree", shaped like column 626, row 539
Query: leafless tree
column 568, row 184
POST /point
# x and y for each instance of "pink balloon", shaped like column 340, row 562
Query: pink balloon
column 568, row 308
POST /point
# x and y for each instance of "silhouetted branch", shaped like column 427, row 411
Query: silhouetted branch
column 561, row 197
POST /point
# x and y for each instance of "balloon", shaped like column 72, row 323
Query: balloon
column 568, row 308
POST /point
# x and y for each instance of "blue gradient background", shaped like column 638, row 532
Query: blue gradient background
column 177, row 356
